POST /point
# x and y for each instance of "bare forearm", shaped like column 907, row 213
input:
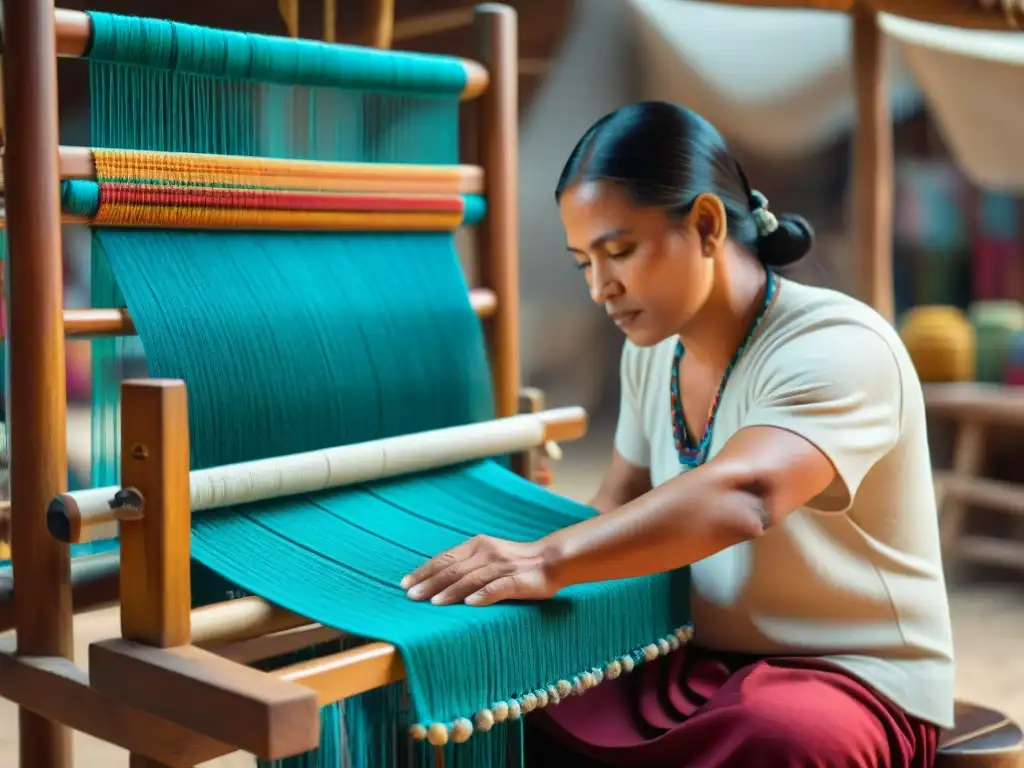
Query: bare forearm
column 679, row 523
column 621, row 484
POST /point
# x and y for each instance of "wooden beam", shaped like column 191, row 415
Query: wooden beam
column 200, row 691
column 55, row 689
column 966, row 14
column 986, row 403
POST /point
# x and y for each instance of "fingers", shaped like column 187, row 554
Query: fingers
column 443, row 580
column 503, row 588
column 437, row 564
column 474, row 582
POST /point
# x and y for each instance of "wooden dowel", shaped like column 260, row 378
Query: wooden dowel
column 95, row 323
column 275, row 644
column 78, row 163
column 243, row 619
column 79, row 515
column 349, row 673
column 498, row 233
column 873, row 196
column 37, row 405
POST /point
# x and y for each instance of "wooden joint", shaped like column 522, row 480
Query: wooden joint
column 196, row 689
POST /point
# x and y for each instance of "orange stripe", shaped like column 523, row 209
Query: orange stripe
column 187, row 217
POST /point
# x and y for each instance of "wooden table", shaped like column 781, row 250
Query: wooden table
column 974, row 408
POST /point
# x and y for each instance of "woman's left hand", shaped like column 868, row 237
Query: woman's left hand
column 483, row 571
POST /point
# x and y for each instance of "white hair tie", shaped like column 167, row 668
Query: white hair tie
column 763, row 217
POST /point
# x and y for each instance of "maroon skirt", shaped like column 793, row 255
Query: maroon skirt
column 706, row 709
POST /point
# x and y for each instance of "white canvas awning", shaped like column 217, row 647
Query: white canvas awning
column 779, row 81
column 973, row 83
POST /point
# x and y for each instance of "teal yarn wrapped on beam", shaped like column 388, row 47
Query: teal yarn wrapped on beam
column 79, row 197
column 476, row 209
column 297, row 341
column 243, row 56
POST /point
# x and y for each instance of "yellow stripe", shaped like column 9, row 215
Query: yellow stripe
column 307, row 175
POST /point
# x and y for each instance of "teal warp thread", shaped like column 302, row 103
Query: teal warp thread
column 296, row 341
column 190, row 49
column 162, row 85
column 80, row 197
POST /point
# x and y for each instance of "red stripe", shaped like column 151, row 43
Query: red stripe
column 214, row 197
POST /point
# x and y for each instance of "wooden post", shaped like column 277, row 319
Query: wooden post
column 156, row 593
column 498, row 128
column 873, row 197
column 968, row 463
column 330, row 31
column 382, row 23
column 38, row 393
column 289, row 10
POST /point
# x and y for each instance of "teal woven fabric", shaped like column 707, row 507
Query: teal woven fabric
column 296, row 341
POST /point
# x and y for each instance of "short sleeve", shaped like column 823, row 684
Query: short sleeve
column 841, row 389
column 630, row 439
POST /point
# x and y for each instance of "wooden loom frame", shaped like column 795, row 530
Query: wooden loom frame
column 269, row 714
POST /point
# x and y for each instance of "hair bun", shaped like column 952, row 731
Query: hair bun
column 790, row 241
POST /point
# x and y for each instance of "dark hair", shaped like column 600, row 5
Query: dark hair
column 665, row 156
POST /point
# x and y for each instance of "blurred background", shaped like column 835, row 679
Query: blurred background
column 779, row 85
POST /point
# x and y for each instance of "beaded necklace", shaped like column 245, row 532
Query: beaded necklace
column 694, row 456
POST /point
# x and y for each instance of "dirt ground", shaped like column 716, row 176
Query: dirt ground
column 988, row 619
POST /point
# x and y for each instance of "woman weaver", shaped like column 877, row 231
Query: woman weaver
column 771, row 435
